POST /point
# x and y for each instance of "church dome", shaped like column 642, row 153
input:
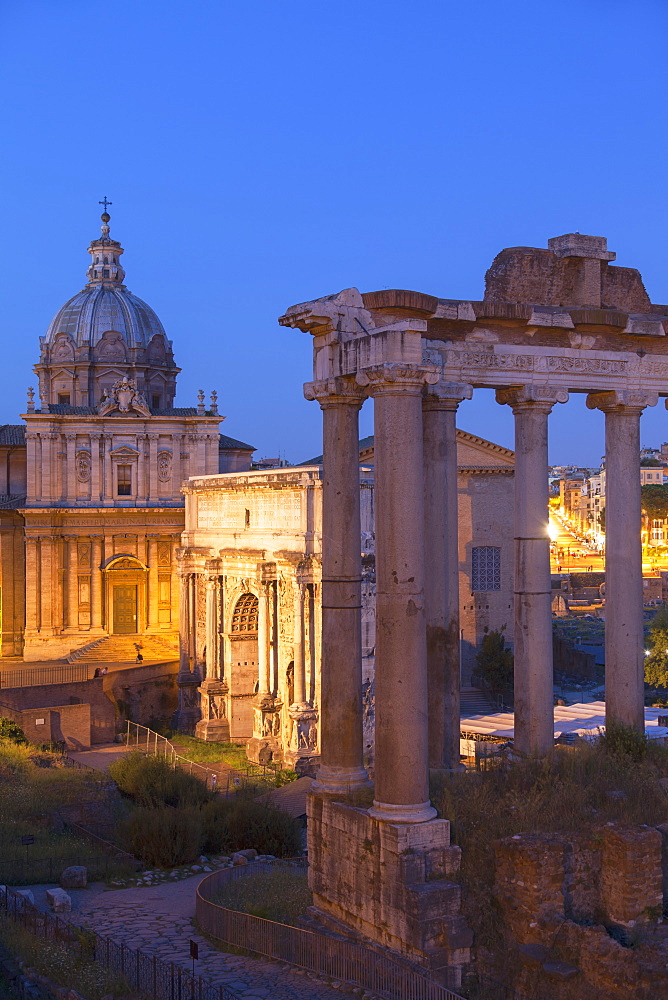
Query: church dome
column 105, row 304
column 102, row 335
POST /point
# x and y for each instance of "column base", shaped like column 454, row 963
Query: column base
column 213, row 730
column 340, row 780
column 391, row 812
column 389, row 883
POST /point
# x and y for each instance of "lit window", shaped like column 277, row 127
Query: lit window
column 485, row 568
column 124, row 481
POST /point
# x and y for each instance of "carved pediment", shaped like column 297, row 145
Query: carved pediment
column 124, row 452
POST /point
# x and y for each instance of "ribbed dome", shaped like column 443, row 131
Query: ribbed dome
column 103, row 307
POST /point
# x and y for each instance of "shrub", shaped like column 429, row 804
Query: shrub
column 624, row 742
column 153, row 782
column 234, row 824
column 162, row 837
column 494, row 661
column 12, row 732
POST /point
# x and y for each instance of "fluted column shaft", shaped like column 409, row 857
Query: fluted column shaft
column 184, row 622
column 441, row 549
column 534, row 683
column 624, row 639
column 341, row 668
column 402, row 754
column 298, row 648
column 263, row 660
column 212, row 666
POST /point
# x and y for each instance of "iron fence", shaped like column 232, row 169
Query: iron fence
column 333, row 957
column 55, row 673
column 148, row 741
column 145, row 973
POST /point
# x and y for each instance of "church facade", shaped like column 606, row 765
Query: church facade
column 92, row 510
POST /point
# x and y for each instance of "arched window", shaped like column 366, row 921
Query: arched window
column 244, row 619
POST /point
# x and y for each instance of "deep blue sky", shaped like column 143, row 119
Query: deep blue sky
column 264, row 152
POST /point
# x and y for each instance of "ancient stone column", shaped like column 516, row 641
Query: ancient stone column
column 263, row 661
column 298, row 650
column 95, row 581
column 212, row 637
column 342, row 767
column 184, row 622
column 534, row 685
column 624, row 643
column 441, row 550
column 402, row 754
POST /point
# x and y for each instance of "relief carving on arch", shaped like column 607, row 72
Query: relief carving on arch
column 111, row 347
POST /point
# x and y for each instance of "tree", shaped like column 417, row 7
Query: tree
column 656, row 663
column 11, row 732
column 654, row 500
column 495, row 661
column 651, row 463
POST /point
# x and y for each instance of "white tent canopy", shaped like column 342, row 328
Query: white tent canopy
column 582, row 719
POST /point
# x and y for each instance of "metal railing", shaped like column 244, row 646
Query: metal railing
column 148, row 741
column 345, row 961
column 147, row 974
column 32, row 871
column 55, row 673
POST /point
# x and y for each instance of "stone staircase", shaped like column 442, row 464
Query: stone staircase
column 123, row 649
column 475, row 702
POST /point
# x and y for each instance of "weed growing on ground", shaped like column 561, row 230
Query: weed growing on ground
column 568, row 792
column 281, row 894
column 163, row 837
column 64, row 963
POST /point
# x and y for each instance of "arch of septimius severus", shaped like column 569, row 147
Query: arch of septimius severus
column 553, row 321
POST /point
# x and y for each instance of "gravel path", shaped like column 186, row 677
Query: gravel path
column 159, row 919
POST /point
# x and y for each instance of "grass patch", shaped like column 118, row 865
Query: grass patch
column 566, row 793
column 33, row 788
column 281, row 894
column 65, row 963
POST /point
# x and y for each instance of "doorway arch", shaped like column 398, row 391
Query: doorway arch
column 243, row 637
column 125, row 591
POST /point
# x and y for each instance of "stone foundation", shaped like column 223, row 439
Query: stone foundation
column 388, row 882
column 580, row 915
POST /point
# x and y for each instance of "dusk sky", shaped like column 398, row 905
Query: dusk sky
column 262, row 153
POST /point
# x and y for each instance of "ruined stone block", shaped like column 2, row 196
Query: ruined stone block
column 74, row 877
column 631, row 874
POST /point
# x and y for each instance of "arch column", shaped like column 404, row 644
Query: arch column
column 441, row 550
column 624, row 640
column 342, row 767
column 534, row 683
column 212, row 627
column 402, row 755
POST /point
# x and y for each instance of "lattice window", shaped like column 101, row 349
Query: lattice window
column 244, row 619
column 486, row 568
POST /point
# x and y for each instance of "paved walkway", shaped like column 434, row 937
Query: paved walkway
column 159, row 919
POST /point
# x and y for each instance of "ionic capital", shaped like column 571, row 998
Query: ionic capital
column 538, row 398
column 621, row 400
column 446, row 395
column 335, row 391
column 397, row 377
